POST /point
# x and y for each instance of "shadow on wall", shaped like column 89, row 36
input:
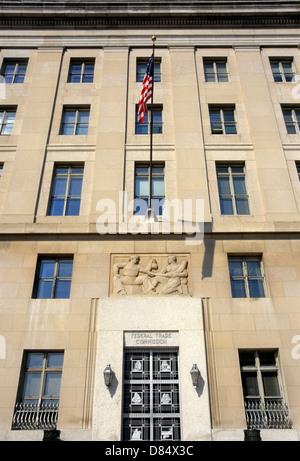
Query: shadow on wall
column 209, row 252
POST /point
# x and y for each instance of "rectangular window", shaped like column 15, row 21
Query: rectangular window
column 75, row 121
column 215, row 70
column 151, row 407
column 282, row 70
column 232, row 189
column 144, row 127
column 264, row 404
column 7, row 120
column 292, row 119
column 246, row 277
column 142, row 188
column 81, row 71
column 222, row 120
column 14, row 71
column 39, row 391
column 66, row 190
column 298, row 169
column 53, row 277
column 141, row 67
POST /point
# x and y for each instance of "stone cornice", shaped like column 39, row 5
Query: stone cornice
column 155, row 13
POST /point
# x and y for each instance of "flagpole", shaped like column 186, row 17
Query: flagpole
column 151, row 127
column 151, row 131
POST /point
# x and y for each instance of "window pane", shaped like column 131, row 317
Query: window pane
column 35, row 360
column 31, row 384
column 47, row 268
column 52, row 384
column 142, row 186
column 55, row 360
column 158, row 188
column 74, row 78
column 239, row 185
column 276, row 71
column 62, row 289
column 215, row 115
column 228, row 115
column 242, row 206
column 77, row 170
column 75, row 186
column 69, row 116
column 270, row 382
column 88, row 78
column 67, row 129
column 76, row 68
column 247, row 358
column 267, row 359
column 81, row 129
column 57, row 207
column 236, row 268
column 209, row 72
column 253, row 268
column 238, row 289
column 256, row 288
column 83, row 116
column 140, row 206
column 224, row 185
column 44, row 289
column 19, row 78
column 250, row 385
column 73, row 207
column 226, row 206
column 65, row 268
column 158, row 206
column 59, row 186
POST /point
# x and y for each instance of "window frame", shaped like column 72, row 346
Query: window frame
column 139, row 75
column 216, row 74
column 232, row 195
column 76, row 122
column 17, row 63
column 83, row 63
column 260, row 370
column 295, row 123
column 159, row 198
column 66, row 196
column 283, row 75
column 223, row 123
column 43, row 370
column 55, row 278
column 157, row 127
column 3, row 123
column 245, row 277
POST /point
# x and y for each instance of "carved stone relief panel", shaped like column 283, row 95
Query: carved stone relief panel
column 149, row 274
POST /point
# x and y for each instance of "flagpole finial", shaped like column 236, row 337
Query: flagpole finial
column 153, row 38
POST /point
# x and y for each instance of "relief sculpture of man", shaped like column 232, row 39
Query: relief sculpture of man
column 130, row 275
column 172, row 276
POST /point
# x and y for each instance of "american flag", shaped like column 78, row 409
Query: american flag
column 146, row 92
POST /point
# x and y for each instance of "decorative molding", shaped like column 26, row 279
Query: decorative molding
column 140, row 21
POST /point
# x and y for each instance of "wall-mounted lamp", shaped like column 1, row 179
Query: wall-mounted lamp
column 108, row 375
column 195, row 374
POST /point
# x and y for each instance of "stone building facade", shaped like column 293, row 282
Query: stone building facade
column 212, row 284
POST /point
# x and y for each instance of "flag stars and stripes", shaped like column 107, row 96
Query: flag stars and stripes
column 146, row 91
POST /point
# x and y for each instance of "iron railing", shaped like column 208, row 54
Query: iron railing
column 267, row 415
column 28, row 416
